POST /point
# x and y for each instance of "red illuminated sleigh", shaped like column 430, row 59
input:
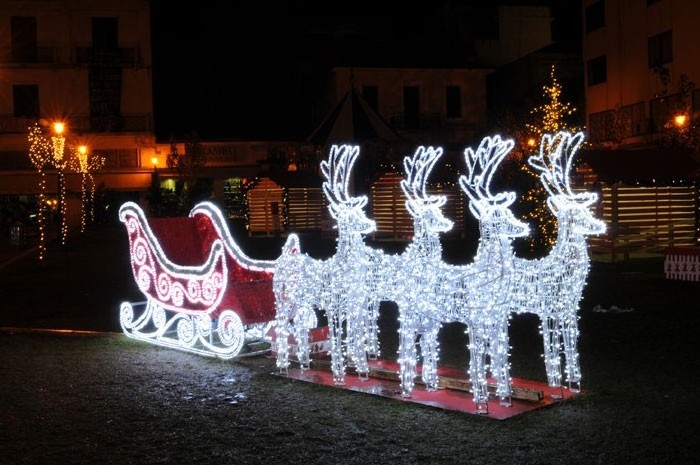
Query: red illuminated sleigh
column 203, row 294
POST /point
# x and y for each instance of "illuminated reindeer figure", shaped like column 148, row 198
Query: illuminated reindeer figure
column 346, row 286
column 297, row 285
column 551, row 287
column 413, row 273
column 478, row 294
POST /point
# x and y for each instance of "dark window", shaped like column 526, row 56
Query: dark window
column 411, row 107
column 371, row 95
column 25, row 100
column 487, row 27
column 597, row 70
column 696, row 103
column 595, row 16
column 651, row 2
column 636, row 115
column 105, row 34
column 453, row 101
column 24, row 47
column 597, row 127
column 660, row 49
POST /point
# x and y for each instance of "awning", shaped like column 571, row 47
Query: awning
column 641, row 166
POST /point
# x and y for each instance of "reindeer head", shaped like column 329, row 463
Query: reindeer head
column 492, row 211
column 346, row 210
column 424, row 208
column 554, row 163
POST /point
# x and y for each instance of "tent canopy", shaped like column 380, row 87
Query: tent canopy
column 352, row 121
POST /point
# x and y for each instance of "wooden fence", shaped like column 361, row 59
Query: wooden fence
column 646, row 219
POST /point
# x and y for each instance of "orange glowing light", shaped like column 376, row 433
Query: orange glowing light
column 680, row 120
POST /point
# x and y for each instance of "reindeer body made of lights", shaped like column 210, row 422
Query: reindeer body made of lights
column 338, row 285
column 478, row 294
column 411, row 277
column 551, row 287
column 297, row 285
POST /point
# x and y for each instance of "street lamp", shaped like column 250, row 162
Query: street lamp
column 58, row 142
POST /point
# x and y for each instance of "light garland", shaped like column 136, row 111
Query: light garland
column 85, row 164
column 59, row 162
column 40, row 154
column 551, row 287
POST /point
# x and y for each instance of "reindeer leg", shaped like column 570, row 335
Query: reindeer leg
column 429, row 351
column 337, row 358
column 372, row 330
column 552, row 359
column 407, row 351
column 477, row 368
column 356, row 325
column 499, row 363
column 282, row 340
column 569, row 332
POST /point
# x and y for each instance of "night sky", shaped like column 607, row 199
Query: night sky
column 256, row 70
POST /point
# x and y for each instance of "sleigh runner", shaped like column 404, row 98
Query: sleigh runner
column 203, row 294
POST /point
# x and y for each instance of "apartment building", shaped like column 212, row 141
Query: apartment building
column 86, row 64
column 641, row 69
column 637, row 54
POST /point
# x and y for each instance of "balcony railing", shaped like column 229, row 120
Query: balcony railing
column 84, row 124
column 127, row 56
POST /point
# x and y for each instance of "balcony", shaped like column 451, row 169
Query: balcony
column 85, row 124
column 127, row 56
column 124, row 56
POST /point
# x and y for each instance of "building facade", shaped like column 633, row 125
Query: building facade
column 86, row 64
column 640, row 57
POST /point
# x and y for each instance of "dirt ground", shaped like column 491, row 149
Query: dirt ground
column 78, row 398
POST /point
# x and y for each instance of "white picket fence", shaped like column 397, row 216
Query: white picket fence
column 682, row 263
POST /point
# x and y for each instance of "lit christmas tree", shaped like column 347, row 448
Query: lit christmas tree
column 550, row 117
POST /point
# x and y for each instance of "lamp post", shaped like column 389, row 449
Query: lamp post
column 155, row 189
column 58, row 142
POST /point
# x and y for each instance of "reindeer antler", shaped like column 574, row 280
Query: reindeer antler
column 417, row 170
column 481, row 166
column 555, row 160
column 337, row 171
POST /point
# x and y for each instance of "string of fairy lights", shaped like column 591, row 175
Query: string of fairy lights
column 86, row 164
column 50, row 151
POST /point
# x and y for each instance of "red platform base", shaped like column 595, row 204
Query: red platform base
column 383, row 381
